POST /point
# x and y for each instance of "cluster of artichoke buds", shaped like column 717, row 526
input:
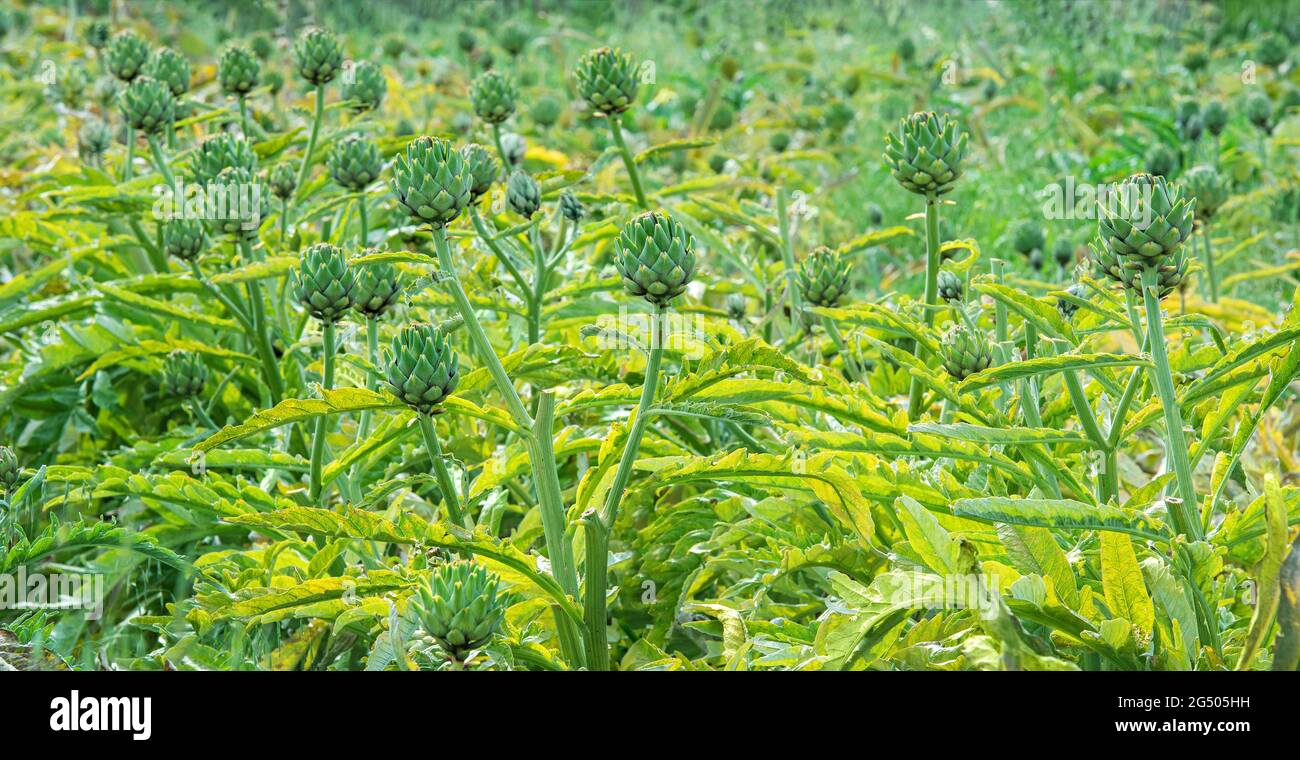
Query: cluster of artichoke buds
column 423, row 368
column 184, row 374
column 824, row 277
column 324, row 282
column 655, row 255
column 964, row 353
column 1142, row 226
column 926, row 154
column 461, row 607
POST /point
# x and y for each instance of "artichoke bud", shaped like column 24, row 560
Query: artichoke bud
column 571, row 207
column 94, row 138
column 432, row 181
column 128, row 55
column 1172, row 269
column 354, row 163
column 98, row 33
column 1214, row 117
column 9, row 469
column 493, row 95
column 422, row 370
column 324, row 282
column 216, row 154
column 367, row 88
column 1208, row 187
column 608, row 80
column 523, row 194
column 317, row 56
column 186, row 239
column 238, row 71
column 1161, row 161
column 951, row 287
column 184, row 374
column 1259, row 109
column 1144, row 221
column 378, row 287
column 824, row 277
column 148, row 105
column 283, row 181
column 1028, row 236
column 736, row 306
column 1036, row 260
column 875, row 215
column 482, row 166
column 460, row 606
column 515, row 147
column 172, row 68
column 926, row 154
column 1066, row 307
column 514, row 38
column 1063, row 252
column 244, row 198
column 964, row 353
column 655, row 256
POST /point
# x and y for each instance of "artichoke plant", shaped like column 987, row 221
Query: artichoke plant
column 493, row 95
column 324, row 283
column 608, row 80
column 1144, row 221
column 1028, row 236
column 367, row 88
column 94, row 138
column 97, row 34
column 1259, row 109
column 238, row 71
column 283, row 182
column 523, row 194
column 224, row 151
column 926, row 153
column 184, row 374
column 824, row 277
column 1161, row 161
column 1214, row 117
column 571, row 207
column 951, row 287
column 656, row 257
column 9, row 470
column 173, row 68
column 186, row 239
column 964, row 353
column 354, row 163
column 148, row 105
column 482, row 168
column 1063, row 252
column 377, row 289
column 317, row 56
column 423, row 369
column 1208, row 188
column 128, row 55
column 432, row 181
column 461, row 606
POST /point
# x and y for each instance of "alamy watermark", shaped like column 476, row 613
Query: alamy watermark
column 679, row 332
column 1083, row 201
column 234, row 201
column 53, row 591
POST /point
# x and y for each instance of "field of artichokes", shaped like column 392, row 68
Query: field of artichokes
column 679, row 336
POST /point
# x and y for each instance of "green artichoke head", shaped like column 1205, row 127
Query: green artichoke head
column 546, row 110
column 951, row 287
column 238, row 71
column 514, row 38
column 1171, row 270
column 128, row 55
column 655, row 255
column 1028, row 236
column 1063, row 251
column 354, row 163
column 423, row 369
column 1161, row 161
column 461, row 606
column 1065, row 306
column 148, row 105
column 283, row 181
column 824, row 277
column 432, row 181
column 483, row 169
column 964, row 353
column 244, row 202
column 224, row 151
column 378, row 288
column 926, row 153
column 172, row 68
column 324, row 282
column 367, row 87
column 9, row 469
column 571, row 207
column 1208, row 187
column 97, row 33
column 736, row 306
column 317, row 56
column 523, row 194
column 608, row 80
column 186, row 239
column 94, row 138
column 1144, row 221
column 1214, row 117
column 184, row 374
column 494, row 96
column 1259, row 109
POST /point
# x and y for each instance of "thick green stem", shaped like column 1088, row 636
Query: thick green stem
column 318, row 440
column 160, row 163
column 261, row 337
column 539, row 289
column 243, row 117
column 501, row 150
column 616, row 130
column 372, row 356
column 600, row 525
column 1184, row 517
column 850, row 363
column 311, row 140
column 440, row 473
column 931, row 294
column 787, row 257
column 501, row 255
column 130, row 153
column 202, row 415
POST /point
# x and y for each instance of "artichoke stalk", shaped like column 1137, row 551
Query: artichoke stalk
column 608, row 80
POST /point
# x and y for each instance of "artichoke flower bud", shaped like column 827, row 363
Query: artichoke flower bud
column 515, row 147
column 378, row 287
column 1172, row 270
column 460, row 606
column 655, row 256
column 98, row 33
column 367, row 88
column 925, row 155
column 875, row 215
column 571, row 207
column 493, row 95
column 1063, row 252
column 246, row 203
column 324, row 282
column 1028, row 236
column 608, row 80
column 546, row 111
column 9, row 469
column 1066, row 307
column 736, row 306
column 951, row 287
column 262, row 46
column 215, row 154
column 317, row 56
column 148, row 105
column 1161, row 161
column 128, row 55
column 283, row 181
column 824, row 277
column 514, row 38
column 465, row 41
column 1259, row 109
column 482, row 166
column 238, row 71
column 172, row 68
column 964, row 353
column 184, row 374
column 432, row 181
column 1036, row 259
column 1214, row 117
column 1145, row 221
column 1208, row 188
column 523, row 194
column 354, row 163
column 94, row 138
column 186, row 239
column 423, row 369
